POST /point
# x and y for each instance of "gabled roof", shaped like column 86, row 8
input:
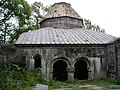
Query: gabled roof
column 64, row 36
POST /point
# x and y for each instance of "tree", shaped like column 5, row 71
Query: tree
column 88, row 25
column 12, row 12
column 38, row 13
column 33, row 23
column 17, row 31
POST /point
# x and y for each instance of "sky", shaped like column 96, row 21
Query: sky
column 105, row 13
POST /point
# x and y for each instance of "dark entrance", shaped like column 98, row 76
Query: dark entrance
column 37, row 61
column 59, row 70
column 81, row 72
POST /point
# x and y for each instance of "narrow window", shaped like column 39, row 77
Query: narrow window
column 37, row 61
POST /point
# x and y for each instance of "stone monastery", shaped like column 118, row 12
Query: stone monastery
column 64, row 50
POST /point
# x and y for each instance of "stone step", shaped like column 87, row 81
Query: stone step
column 40, row 87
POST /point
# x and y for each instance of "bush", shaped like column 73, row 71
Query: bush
column 15, row 78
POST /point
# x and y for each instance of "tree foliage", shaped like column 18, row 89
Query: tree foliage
column 12, row 13
column 38, row 13
column 88, row 25
column 17, row 16
column 33, row 23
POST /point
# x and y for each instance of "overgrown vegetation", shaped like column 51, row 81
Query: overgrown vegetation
column 15, row 78
column 105, row 83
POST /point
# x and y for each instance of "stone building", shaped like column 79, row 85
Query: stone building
column 64, row 50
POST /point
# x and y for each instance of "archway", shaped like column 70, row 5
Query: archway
column 81, row 71
column 59, row 70
column 37, row 61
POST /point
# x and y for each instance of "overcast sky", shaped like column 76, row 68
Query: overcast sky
column 105, row 13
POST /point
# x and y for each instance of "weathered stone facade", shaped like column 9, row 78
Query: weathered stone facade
column 93, row 56
column 62, row 22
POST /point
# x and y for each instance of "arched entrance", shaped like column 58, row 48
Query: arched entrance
column 59, row 70
column 81, row 71
column 37, row 61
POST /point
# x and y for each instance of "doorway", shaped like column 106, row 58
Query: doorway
column 81, row 71
column 59, row 71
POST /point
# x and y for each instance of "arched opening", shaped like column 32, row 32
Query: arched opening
column 37, row 61
column 81, row 71
column 59, row 71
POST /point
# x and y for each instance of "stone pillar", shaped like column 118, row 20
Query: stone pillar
column 51, row 73
column 27, row 62
column 118, row 62
column 70, row 71
column 31, row 64
column 90, row 76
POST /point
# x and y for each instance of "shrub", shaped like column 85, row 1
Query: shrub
column 15, row 78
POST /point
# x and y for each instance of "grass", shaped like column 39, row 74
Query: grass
column 105, row 83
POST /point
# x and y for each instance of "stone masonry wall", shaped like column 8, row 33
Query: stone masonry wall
column 95, row 55
column 62, row 22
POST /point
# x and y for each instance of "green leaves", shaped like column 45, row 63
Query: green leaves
column 17, row 16
column 13, row 13
column 88, row 25
column 38, row 13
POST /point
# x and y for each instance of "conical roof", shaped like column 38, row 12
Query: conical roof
column 62, row 15
column 62, row 9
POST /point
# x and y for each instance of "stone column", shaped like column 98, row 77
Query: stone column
column 31, row 64
column 90, row 76
column 118, row 62
column 51, row 73
column 70, row 71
